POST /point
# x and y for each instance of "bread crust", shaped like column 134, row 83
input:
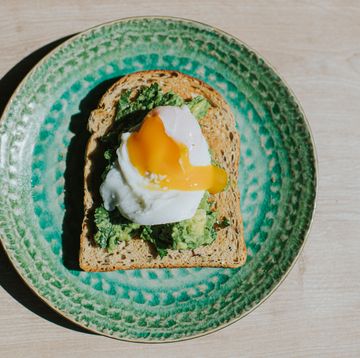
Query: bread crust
column 218, row 127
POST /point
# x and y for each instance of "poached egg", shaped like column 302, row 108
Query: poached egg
column 162, row 170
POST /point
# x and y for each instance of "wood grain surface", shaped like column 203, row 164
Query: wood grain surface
column 315, row 46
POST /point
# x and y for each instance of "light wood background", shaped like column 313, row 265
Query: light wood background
column 315, row 45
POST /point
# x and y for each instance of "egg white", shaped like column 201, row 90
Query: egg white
column 127, row 190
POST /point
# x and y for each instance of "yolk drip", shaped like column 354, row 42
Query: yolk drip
column 152, row 151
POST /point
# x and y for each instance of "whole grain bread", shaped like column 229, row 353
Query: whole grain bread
column 218, row 127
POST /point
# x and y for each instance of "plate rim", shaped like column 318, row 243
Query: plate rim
column 316, row 171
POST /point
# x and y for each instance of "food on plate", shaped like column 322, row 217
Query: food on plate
column 161, row 174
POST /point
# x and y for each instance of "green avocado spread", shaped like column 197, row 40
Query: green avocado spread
column 112, row 227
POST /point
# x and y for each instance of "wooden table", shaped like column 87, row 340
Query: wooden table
column 315, row 45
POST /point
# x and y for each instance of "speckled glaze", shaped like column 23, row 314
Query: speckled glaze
column 42, row 138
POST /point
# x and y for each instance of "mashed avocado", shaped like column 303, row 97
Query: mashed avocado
column 188, row 234
column 197, row 231
column 112, row 227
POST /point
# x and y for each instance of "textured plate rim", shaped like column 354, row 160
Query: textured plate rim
column 306, row 123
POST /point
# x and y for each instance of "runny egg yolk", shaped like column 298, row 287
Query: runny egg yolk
column 152, row 151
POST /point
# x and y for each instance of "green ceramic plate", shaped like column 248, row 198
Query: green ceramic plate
column 42, row 139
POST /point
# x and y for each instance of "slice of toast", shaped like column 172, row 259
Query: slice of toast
column 218, row 127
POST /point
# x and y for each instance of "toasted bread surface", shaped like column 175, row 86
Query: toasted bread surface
column 218, row 127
